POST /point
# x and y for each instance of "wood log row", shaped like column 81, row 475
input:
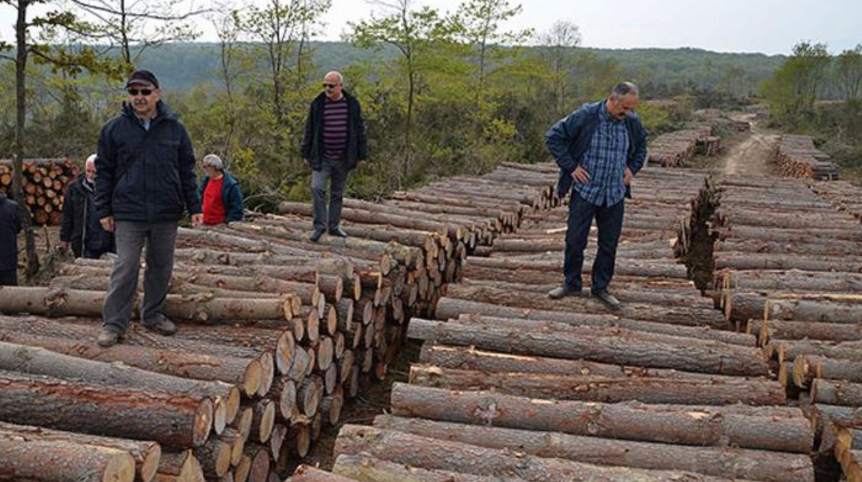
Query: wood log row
column 45, row 183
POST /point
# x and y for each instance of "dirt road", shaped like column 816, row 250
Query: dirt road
column 752, row 156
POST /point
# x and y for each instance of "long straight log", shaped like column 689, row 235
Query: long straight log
column 369, row 469
column 245, row 374
column 718, row 461
column 836, row 392
column 622, row 347
column 38, row 361
column 721, row 391
column 808, row 367
column 672, row 315
column 716, row 426
column 146, row 455
column 37, row 460
column 434, row 454
column 175, row 421
column 306, row 473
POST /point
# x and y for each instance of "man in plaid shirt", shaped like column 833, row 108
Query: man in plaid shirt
column 600, row 148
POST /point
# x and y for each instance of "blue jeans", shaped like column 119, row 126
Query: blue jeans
column 160, row 239
column 609, row 221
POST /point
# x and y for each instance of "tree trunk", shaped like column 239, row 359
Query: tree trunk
column 432, row 454
column 146, row 455
column 718, row 461
column 179, row 467
column 175, row 421
column 721, row 391
column 604, row 346
column 35, row 460
column 245, row 374
column 710, row 426
column 38, row 361
column 835, row 392
column 672, row 315
column 808, row 367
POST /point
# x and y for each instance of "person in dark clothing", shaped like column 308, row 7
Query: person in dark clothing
column 334, row 143
column 220, row 192
column 599, row 148
column 80, row 227
column 146, row 180
column 10, row 227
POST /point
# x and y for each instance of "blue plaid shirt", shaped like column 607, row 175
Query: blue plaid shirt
column 605, row 160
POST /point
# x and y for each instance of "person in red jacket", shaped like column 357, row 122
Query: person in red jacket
column 220, row 192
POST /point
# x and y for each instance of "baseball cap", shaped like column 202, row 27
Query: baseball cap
column 142, row 77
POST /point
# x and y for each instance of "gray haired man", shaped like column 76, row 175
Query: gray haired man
column 333, row 145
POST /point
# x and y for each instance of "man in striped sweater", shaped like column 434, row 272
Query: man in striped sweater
column 334, row 143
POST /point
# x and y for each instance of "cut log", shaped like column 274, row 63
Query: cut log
column 706, row 391
column 305, row 473
column 368, row 469
column 432, row 454
column 620, row 347
column 717, row 461
column 179, row 467
column 38, row 361
column 146, row 455
column 174, row 421
column 808, row 367
column 836, row 392
column 54, row 461
column 214, row 457
column 715, row 426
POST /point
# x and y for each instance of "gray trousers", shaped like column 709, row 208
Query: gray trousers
column 160, row 239
column 335, row 171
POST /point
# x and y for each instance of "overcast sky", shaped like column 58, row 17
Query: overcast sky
column 768, row 26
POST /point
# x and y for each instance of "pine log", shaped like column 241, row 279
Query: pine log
column 470, row 358
column 214, row 457
column 800, row 330
column 821, row 310
column 718, row 461
column 808, row 367
column 263, row 420
column 369, row 469
column 672, row 315
column 603, row 389
column 146, row 455
column 306, row 473
column 836, row 392
column 600, row 345
column 715, row 426
column 175, row 421
column 38, row 361
column 245, row 374
column 179, row 467
column 34, row 460
column 788, row 350
column 428, row 453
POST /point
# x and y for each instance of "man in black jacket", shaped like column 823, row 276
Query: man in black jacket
column 10, row 226
column 334, row 143
column 146, row 180
column 80, row 227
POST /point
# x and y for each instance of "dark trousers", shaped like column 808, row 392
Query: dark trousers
column 160, row 240
column 609, row 221
column 9, row 277
column 335, row 171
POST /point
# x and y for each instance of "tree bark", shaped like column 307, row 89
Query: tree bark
column 179, row 467
column 604, row 346
column 306, row 473
column 364, row 468
column 711, row 426
column 705, row 391
column 35, row 460
column 432, row 454
column 718, row 461
column 146, row 455
column 836, row 392
column 175, row 421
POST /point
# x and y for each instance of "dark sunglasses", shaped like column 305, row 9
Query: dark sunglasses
column 144, row 92
column 329, row 86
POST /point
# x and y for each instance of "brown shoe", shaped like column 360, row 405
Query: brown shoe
column 107, row 338
column 163, row 326
column 562, row 291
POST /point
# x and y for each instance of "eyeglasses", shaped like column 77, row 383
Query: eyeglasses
column 329, row 86
column 144, row 92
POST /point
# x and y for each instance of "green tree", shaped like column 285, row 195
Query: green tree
column 794, row 88
column 421, row 36
column 848, row 72
column 559, row 45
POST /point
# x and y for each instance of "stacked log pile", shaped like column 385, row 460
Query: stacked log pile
column 788, row 271
column 797, row 156
column 275, row 332
column 678, row 148
column 842, row 194
column 45, row 182
column 511, row 385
